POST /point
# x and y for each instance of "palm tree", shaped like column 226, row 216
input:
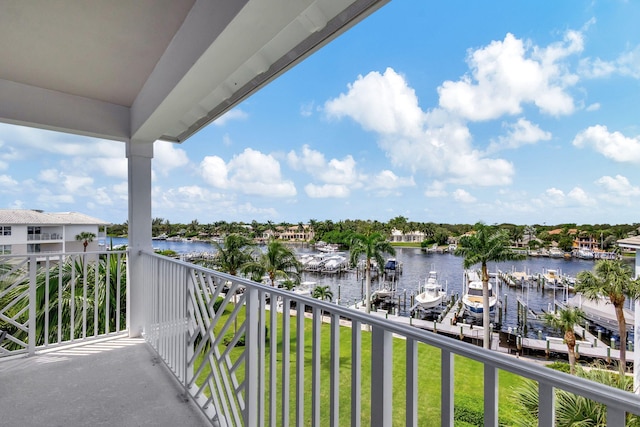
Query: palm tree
column 278, row 262
column 572, row 409
column 372, row 246
column 566, row 320
column 85, row 237
column 234, row 252
column 611, row 278
column 75, row 291
column 484, row 245
column 322, row 293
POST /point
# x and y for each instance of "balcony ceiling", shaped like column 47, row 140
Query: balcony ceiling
column 152, row 69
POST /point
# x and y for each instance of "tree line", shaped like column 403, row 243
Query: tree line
column 341, row 232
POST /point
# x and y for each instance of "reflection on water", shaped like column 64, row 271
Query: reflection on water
column 417, row 264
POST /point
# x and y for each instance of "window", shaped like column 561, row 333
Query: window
column 5, row 249
column 33, row 248
column 5, row 230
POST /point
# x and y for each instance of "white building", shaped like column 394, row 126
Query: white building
column 24, row 231
column 410, row 237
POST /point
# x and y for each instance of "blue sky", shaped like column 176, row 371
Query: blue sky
column 453, row 112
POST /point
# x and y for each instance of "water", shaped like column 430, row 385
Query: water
column 349, row 286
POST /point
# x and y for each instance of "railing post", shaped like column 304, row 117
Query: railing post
column 412, row 383
column 251, row 415
column 381, row 376
column 546, row 405
column 33, row 270
column 490, row 396
column 446, row 378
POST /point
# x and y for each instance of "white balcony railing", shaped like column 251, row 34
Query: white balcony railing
column 196, row 322
column 60, row 298
column 44, row 236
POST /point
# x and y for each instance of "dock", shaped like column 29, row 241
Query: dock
column 588, row 345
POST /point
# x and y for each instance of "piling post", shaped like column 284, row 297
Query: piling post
column 547, row 352
column 505, row 303
column 461, row 332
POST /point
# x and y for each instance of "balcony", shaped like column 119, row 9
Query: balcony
column 212, row 352
column 44, row 237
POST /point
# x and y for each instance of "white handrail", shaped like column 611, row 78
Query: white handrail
column 219, row 391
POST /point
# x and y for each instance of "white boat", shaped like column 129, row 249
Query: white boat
column 472, row 299
column 431, row 294
column 556, row 253
column 585, row 254
column 304, row 289
column 555, row 280
column 382, row 293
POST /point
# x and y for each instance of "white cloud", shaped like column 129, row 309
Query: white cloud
column 613, row 145
column 578, row 196
column 332, row 172
column 507, row 74
column 250, row 172
column 102, row 197
column 593, row 107
column 326, row 191
column 435, row 142
column 627, row 64
column 75, row 184
column 235, row 114
column 472, row 169
column 306, row 110
column 618, row 189
column 521, row 133
column 389, row 181
column 463, row 196
column 48, row 199
column 382, row 103
column 436, row 189
column 7, row 184
column 78, row 184
column 214, row 171
column 554, row 197
column 167, row 156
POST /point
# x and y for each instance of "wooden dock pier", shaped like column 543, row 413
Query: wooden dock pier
column 589, row 346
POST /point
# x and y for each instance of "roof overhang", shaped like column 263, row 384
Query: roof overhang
column 152, row 69
column 630, row 242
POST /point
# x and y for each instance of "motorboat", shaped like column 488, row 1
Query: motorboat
column 472, row 299
column 431, row 294
column 556, row 253
column 304, row 289
column 585, row 254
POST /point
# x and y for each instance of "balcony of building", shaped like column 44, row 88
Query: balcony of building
column 214, row 352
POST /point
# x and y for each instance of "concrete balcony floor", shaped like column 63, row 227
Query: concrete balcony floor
column 115, row 382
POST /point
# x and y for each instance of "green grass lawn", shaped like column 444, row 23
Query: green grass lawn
column 468, row 380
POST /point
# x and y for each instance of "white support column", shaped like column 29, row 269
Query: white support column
column 139, row 155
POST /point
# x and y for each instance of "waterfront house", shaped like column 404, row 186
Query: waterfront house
column 138, row 72
column 25, row 231
column 398, row 236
